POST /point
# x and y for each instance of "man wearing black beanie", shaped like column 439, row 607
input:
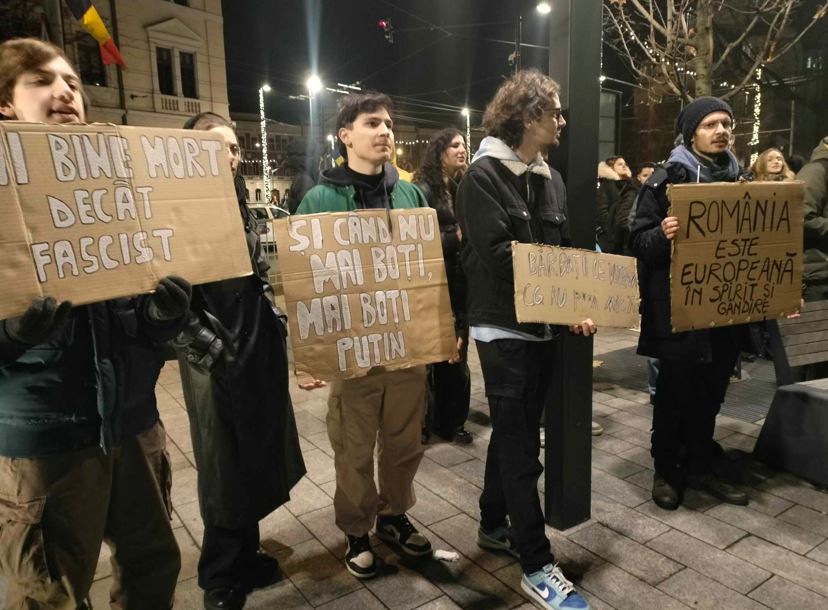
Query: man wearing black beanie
column 695, row 365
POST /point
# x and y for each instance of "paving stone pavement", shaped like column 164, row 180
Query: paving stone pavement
column 631, row 555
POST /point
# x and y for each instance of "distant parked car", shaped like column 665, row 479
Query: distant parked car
column 264, row 213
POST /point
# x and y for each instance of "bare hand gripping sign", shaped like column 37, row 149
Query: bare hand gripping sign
column 365, row 289
column 89, row 213
column 737, row 257
column 558, row 285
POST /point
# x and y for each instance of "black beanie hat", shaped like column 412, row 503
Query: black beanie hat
column 691, row 115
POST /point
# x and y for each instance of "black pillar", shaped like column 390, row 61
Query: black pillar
column 575, row 62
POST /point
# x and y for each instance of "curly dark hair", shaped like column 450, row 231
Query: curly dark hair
column 430, row 171
column 524, row 96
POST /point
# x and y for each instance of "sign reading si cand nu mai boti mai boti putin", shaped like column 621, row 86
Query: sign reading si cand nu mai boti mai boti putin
column 93, row 212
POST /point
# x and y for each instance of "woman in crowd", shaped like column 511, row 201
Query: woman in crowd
column 614, row 177
column 771, row 166
column 234, row 371
column 449, row 382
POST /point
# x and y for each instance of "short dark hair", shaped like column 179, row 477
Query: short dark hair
column 611, row 160
column 642, row 166
column 205, row 121
column 529, row 94
column 355, row 104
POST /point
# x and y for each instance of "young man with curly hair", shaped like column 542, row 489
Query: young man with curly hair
column 510, row 194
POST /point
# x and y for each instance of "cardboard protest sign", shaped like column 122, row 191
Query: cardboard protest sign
column 364, row 289
column 565, row 286
column 737, row 256
column 94, row 212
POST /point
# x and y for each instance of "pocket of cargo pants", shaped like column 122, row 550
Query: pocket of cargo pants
column 22, row 547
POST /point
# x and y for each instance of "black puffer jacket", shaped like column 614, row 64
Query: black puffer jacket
column 496, row 207
column 93, row 383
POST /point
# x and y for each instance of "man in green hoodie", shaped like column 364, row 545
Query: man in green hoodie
column 383, row 407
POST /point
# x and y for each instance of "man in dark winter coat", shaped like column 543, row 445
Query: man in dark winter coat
column 815, row 176
column 234, row 372
column 76, row 390
column 510, row 194
column 621, row 215
column 695, row 366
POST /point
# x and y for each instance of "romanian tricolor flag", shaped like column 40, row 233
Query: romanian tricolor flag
column 91, row 21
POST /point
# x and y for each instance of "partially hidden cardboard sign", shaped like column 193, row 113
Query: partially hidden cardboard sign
column 365, row 289
column 558, row 285
column 737, row 257
column 89, row 213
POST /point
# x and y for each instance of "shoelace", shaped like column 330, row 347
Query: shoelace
column 559, row 581
column 405, row 525
column 358, row 545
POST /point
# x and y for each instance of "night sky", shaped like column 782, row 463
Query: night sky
column 282, row 42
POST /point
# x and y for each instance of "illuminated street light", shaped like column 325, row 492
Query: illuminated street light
column 544, row 8
column 263, row 127
column 467, row 113
column 313, row 84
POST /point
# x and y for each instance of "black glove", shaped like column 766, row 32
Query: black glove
column 170, row 299
column 202, row 347
column 43, row 318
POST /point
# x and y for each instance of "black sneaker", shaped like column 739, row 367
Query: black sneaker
column 263, row 572
column 497, row 539
column 359, row 559
column 399, row 531
column 463, row 436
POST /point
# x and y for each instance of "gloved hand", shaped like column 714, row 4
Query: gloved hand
column 43, row 318
column 204, row 349
column 170, row 299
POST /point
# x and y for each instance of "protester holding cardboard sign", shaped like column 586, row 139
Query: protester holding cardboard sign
column 77, row 387
column 696, row 365
column 510, row 194
column 234, row 372
column 383, row 408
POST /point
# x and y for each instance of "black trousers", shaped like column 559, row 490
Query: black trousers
column 517, row 376
column 449, row 395
column 227, row 555
column 687, row 399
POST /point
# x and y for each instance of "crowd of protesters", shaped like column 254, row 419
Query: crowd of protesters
column 83, row 457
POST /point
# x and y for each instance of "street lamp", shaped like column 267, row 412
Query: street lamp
column 466, row 113
column 263, row 126
column 544, row 8
column 331, row 141
column 314, row 86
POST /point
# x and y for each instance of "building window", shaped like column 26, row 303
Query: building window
column 92, row 69
column 164, row 63
column 188, row 75
column 181, row 2
column 258, row 194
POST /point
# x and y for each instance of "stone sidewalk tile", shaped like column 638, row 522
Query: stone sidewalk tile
column 638, row 455
column 806, row 518
column 642, row 479
column 698, row 591
column 721, row 566
column 739, row 441
column 574, row 559
column 800, row 570
column 329, row 488
column 319, row 466
column 626, row 592
column 633, row 421
column 190, row 553
column 316, row 573
column 738, row 425
column 789, row 487
column 318, row 407
column 460, row 532
column 820, row 553
column 620, row 403
column 449, row 486
column 773, row 530
column 306, row 497
column 626, row 521
column 363, row 599
column 614, row 465
column 401, row 586
column 190, row 517
column 280, row 529
column 322, row 526
column 441, row 603
column 184, row 487
column 445, row 454
column 634, row 436
column 617, row 489
column 308, row 425
column 430, row 508
column 696, row 524
column 322, row 442
column 630, row 556
column 781, row 594
column 473, row 470
column 766, row 503
column 282, row 595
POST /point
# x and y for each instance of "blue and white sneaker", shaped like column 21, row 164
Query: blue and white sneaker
column 549, row 588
